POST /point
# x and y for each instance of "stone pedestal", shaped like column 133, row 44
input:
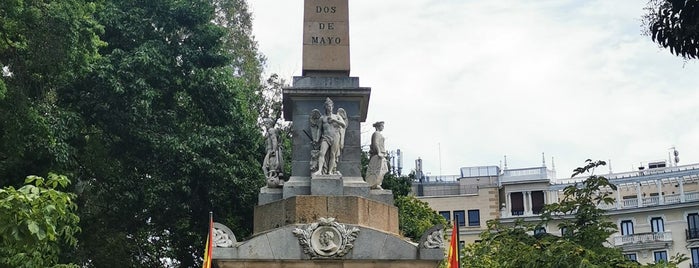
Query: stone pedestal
column 383, row 196
column 309, row 208
column 355, row 186
column 297, row 185
column 326, row 185
column 269, row 195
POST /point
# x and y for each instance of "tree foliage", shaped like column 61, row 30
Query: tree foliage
column 415, row 216
column 35, row 221
column 44, row 46
column 583, row 243
column 674, row 24
column 151, row 106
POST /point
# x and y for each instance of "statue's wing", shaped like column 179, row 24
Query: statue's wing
column 342, row 113
column 315, row 125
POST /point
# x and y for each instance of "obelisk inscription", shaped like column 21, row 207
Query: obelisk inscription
column 326, row 37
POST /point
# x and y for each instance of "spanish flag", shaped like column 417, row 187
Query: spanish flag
column 209, row 243
column 453, row 254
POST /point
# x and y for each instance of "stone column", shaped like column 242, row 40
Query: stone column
column 527, row 203
column 680, row 181
column 660, row 192
column 638, row 195
column 508, row 204
column 618, row 197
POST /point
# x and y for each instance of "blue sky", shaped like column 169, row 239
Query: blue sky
column 484, row 79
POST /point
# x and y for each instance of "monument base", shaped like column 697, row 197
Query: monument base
column 326, row 264
column 308, row 208
column 296, row 245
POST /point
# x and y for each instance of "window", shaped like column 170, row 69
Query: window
column 626, row 227
column 695, row 257
column 539, row 230
column 460, row 217
column 517, row 203
column 474, row 217
column 446, row 215
column 660, row 256
column 657, row 225
column 631, row 256
column 537, row 202
column 564, row 231
column 693, row 226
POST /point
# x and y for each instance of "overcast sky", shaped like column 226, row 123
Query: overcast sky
column 484, row 79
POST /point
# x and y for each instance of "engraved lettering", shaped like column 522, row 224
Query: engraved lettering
column 331, row 26
column 326, row 9
column 321, row 25
column 320, row 40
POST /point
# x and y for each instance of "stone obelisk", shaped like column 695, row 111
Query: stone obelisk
column 325, row 215
column 326, row 69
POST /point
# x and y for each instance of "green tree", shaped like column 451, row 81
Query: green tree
column 674, row 25
column 582, row 245
column 35, row 221
column 415, row 216
column 169, row 132
column 44, row 46
column 149, row 106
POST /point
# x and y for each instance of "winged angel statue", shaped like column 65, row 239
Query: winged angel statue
column 328, row 139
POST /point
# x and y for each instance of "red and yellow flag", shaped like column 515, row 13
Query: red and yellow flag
column 453, row 254
column 209, row 243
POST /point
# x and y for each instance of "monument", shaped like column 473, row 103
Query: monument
column 326, row 214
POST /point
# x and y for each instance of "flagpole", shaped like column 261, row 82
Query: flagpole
column 458, row 244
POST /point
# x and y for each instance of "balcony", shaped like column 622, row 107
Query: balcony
column 653, row 201
column 643, row 241
column 692, row 233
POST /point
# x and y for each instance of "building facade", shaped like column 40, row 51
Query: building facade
column 656, row 209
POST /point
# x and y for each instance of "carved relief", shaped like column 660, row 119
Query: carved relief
column 223, row 236
column 433, row 237
column 326, row 238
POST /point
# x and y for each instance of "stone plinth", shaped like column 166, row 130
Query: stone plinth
column 268, row 195
column 384, row 196
column 326, row 185
column 309, row 208
column 308, row 93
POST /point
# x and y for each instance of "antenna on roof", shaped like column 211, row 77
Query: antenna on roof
column 610, row 166
column 543, row 159
column 553, row 164
column 505, row 162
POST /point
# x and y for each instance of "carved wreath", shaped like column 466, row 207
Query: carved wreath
column 326, row 238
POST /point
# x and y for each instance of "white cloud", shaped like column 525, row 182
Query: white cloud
column 482, row 79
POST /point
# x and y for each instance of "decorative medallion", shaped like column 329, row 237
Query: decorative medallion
column 326, row 238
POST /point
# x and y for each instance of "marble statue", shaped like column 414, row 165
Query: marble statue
column 274, row 162
column 328, row 138
column 377, row 158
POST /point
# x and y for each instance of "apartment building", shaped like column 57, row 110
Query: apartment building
column 656, row 208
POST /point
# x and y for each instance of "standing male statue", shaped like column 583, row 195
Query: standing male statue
column 273, row 164
column 328, row 138
column 377, row 158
